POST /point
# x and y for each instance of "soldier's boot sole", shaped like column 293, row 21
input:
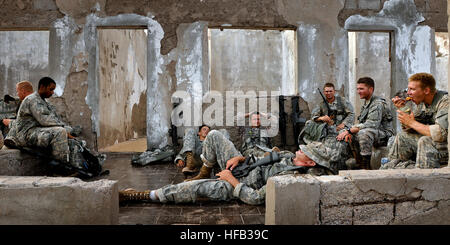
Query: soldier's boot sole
column 205, row 173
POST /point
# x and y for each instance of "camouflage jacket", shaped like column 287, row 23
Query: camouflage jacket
column 376, row 113
column 8, row 111
column 252, row 188
column 435, row 115
column 345, row 113
column 252, row 137
column 33, row 112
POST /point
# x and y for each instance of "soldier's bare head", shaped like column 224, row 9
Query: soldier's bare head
column 203, row 131
column 255, row 119
column 46, row 87
column 365, row 87
column 421, row 87
column 23, row 89
column 329, row 91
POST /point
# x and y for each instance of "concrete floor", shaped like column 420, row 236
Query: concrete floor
column 160, row 174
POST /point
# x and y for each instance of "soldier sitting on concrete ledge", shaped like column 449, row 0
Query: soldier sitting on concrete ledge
column 251, row 189
column 423, row 140
column 38, row 126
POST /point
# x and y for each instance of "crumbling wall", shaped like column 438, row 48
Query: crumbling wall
column 375, row 197
column 321, row 35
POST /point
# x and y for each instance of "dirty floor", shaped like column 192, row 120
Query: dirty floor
column 160, row 174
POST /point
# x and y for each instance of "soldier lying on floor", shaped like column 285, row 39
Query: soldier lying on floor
column 250, row 187
column 39, row 127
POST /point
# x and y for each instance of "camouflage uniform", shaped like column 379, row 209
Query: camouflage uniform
column 38, row 125
column 428, row 151
column 375, row 124
column 345, row 114
column 192, row 143
column 7, row 111
column 253, row 143
column 218, row 150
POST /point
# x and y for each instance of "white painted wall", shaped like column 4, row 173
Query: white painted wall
column 253, row 60
column 23, row 56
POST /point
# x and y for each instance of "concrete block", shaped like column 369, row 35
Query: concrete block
column 337, row 190
column 373, row 214
column 423, row 213
column 292, row 200
column 337, row 215
column 15, row 163
column 370, row 4
column 56, row 201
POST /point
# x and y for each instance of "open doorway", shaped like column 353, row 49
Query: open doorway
column 122, row 77
column 370, row 56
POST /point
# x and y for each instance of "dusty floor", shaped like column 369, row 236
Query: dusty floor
column 160, row 174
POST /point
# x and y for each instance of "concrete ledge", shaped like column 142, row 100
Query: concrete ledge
column 401, row 196
column 57, row 201
column 15, row 163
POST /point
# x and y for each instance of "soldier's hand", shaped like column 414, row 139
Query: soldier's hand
column 405, row 118
column 6, row 122
column 342, row 135
column 181, row 163
column 340, row 126
column 233, row 162
column 348, row 138
column 228, row 176
column 354, row 130
column 398, row 102
column 325, row 118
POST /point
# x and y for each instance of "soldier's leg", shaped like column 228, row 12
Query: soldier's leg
column 366, row 138
column 189, row 192
column 404, row 147
column 55, row 137
column 217, row 149
column 429, row 153
column 188, row 150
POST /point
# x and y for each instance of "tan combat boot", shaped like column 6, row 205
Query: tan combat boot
column 190, row 166
column 133, row 195
column 205, row 173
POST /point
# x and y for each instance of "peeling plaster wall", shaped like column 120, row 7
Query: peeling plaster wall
column 442, row 53
column 321, row 34
column 123, row 85
column 253, row 60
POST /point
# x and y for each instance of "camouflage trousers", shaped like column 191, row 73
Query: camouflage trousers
column 412, row 146
column 217, row 149
column 367, row 138
column 53, row 137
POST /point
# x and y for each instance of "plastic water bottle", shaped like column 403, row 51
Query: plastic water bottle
column 384, row 160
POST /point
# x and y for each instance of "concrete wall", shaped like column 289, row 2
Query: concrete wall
column 441, row 47
column 57, row 201
column 123, row 85
column 23, row 56
column 177, row 54
column 15, row 163
column 253, row 60
column 381, row 197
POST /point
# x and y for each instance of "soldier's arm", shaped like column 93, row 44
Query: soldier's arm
column 44, row 116
column 316, row 113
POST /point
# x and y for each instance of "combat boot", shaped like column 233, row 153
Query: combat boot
column 133, row 195
column 205, row 173
column 190, row 166
column 365, row 162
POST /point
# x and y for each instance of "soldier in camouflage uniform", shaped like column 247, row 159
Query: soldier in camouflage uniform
column 253, row 142
column 423, row 142
column 251, row 189
column 189, row 156
column 321, row 124
column 38, row 124
column 375, row 123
